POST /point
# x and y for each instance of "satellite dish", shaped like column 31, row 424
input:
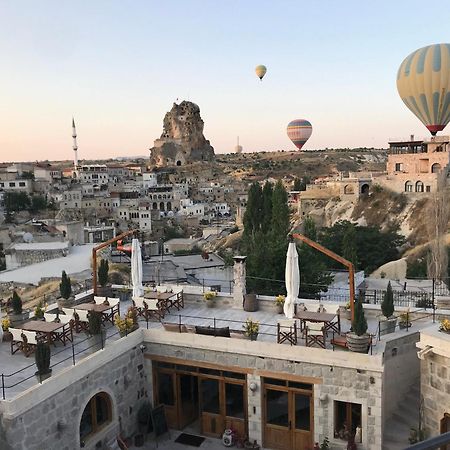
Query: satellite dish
column 28, row 237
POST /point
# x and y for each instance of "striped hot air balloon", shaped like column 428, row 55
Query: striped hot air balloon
column 260, row 71
column 299, row 131
column 423, row 82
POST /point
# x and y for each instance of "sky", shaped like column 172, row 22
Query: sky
column 117, row 66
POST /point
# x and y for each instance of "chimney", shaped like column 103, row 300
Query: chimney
column 412, row 137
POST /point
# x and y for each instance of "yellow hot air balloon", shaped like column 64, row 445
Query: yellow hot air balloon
column 423, row 82
column 260, row 71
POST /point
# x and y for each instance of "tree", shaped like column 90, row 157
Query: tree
column 16, row 201
column 387, row 305
column 300, row 184
column 65, row 287
column 359, row 324
column 38, row 203
column 279, row 226
column 349, row 249
column 267, row 193
column 16, row 303
column 103, row 272
column 253, row 213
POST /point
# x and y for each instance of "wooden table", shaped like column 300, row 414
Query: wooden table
column 52, row 330
column 327, row 318
column 163, row 298
column 100, row 308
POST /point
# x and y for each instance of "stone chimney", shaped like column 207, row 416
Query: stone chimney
column 239, row 275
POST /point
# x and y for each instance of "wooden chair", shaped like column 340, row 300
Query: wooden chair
column 153, row 309
column 177, row 301
column 50, row 317
column 30, row 341
column 108, row 316
column 17, row 340
column 139, row 304
column 81, row 320
column 99, row 300
column 315, row 334
column 287, row 331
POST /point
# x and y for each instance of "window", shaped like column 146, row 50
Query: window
column 398, row 167
column 408, row 186
column 419, row 186
column 347, row 418
column 435, row 168
column 12, row 184
column 22, row 183
column 427, row 188
column 96, row 415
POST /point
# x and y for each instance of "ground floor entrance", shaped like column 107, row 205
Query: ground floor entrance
column 445, row 428
column 288, row 414
column 206, row 400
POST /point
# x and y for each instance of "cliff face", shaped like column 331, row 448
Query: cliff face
column 182, row 140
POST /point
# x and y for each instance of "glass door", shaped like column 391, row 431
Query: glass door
column 277, row 419
column 302, row 420
column 187, row 399
column 235, row 405
column 212, row 419
column 166, row 396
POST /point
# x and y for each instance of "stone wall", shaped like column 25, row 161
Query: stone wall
column 334, row 382
column 48, row 416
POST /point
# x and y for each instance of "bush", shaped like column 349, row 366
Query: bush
column 359, row 324
column 387, row 305
column 65, row 287
column 16, row 303
column 95, row 322
column 103, row 272
column 42, row 356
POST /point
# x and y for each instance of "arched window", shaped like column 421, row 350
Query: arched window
column 348, row 189
column 161, row 206
column 155, row 205
column 408, row 186
column 419, row 186
column 169, row 206
column 96, row 415
column 178, row 163
column 435, row 168
column 365, row 189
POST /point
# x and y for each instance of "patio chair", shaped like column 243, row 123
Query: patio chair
column 99, row 300
column 68, row 311
column 139, row 304
column 115, row 309
column 315, row 334
column 67, row 331
column 50, row 317
column 177, row 300
column 287, row 331
column 153, row 309
column 17, row 340
column 81, row 320
column 30, row 341
column 161, row 289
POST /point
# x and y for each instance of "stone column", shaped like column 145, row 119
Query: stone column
column 254, row 408
column 239, row 274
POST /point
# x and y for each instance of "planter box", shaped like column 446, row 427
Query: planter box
column 18, row 318
column 345, row 313
column 250, row 303
column 387, row 326
column 358, row 344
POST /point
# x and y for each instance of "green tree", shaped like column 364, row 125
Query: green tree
column 359, row 324
column 349, row 249
column 254, row 212
column 38, row 203
column 103, row 272
column 16, row 303
column 267, row 194
column 300, row 184
column 65, row 287
column 313, row 275
column 16, row 201
column 387, row 305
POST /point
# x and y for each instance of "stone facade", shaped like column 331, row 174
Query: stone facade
column 50, row 417
column 182, row 141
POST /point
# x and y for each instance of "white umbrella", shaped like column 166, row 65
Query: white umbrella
column 136, row 269
column 292, row 280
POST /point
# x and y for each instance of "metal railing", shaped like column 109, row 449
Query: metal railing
column 432, row 443
column 76, row 350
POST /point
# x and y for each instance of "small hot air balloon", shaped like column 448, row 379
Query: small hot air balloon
column 423, row 82
column 299, row 131
column 260, row 71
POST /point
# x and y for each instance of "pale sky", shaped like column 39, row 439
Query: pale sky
column 117, row 66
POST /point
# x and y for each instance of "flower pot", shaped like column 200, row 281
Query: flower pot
column 124, row 296
column 279, row 309
column 17, row 319
column 97, row 341
column 7, row 336
column 253, row 336
column 358, row 344
column 402, row 325
column 250, row 303
column 43, row 376
column 387, row 326
column 210, row 303
column 104, row 291
column 345, row 313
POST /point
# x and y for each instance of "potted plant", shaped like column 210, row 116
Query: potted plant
column 403, row 320
column 358, row 340
column 128, row 323
column 279, row 303
column 18, row 314
column 42, row 356
column 144, row 417
column 124, row 294
column 445, row 326
column 210, row 298
column 251, row 329
column 250, row 302
column 102, row 273
column 96, row 331
column 7, row 335
column 345, row 311
column 388, row 322
column 65, row 289
column 39, row 310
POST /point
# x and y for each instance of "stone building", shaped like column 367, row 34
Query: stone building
column 182, row 141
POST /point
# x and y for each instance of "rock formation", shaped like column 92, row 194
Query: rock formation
column 182, row 141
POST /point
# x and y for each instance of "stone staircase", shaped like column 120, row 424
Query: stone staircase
column 398, row 427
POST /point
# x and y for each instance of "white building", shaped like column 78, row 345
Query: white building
column 189, row 208
column 96, row 174
column 149, row 179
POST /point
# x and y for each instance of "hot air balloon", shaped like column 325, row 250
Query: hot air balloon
column 423, row 82
column 260, row 71
column 299, row 131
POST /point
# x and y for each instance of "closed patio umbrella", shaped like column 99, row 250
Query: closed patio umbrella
column 292, row 280
column 136, row 269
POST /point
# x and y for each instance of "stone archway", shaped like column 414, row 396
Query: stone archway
column 365, row 189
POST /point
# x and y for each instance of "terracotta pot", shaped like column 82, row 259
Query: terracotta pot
column 279, row 309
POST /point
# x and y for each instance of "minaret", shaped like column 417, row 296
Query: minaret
column 75, row 147
column 238, row 148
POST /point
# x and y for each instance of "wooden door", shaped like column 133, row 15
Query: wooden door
column 166, row 395
column 302, row 420
column 445, row 427
column 235, row 406
column 288, row 419
column 187, row 399
column 277, row 430
column 211, row 401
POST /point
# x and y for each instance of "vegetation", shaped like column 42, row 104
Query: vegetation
column 6, row 323
column 42, row 356
column 95, row 323
column 195, row 250
column 39, row 310
column 279, row 300
column 103, row 272
column 16, row 303
column 21, row 201
column 251, row 327
column 359, row 324
column 387, row 305
column 300, row 184
column 65, row 287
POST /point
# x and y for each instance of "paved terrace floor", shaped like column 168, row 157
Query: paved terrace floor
column 195, row 313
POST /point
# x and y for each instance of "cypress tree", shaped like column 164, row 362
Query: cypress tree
column 267, row 193
column 103, row 272
column 359, row 324
column 387, row 305
column 253, row 212
column 65, row 287
column 16, row 303
column 349, row 245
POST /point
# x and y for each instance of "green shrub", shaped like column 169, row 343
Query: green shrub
column 42, row 356
column 65, row 287
column 359, row 323
column 103, row 272
column 16, row 303
column 387, row 305
column 95, row 322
